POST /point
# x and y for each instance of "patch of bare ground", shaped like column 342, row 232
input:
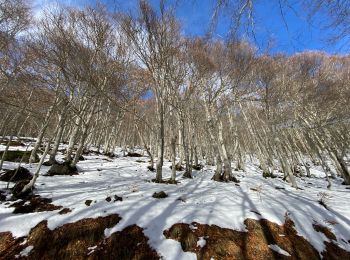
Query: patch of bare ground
column 83, row 239
column 15, row 175
column 131, row 154
column 130, row 243
column 29, row 202
column 325, row 230
column 165, row 181
column 10, row 246
column 225, row 244
column 179, row 168
column 333, row 251
column 64, row 211
column 34, row 203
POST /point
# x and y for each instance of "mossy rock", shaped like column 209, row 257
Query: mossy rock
column 62, row 169
column 16, row 156
column 160, row 195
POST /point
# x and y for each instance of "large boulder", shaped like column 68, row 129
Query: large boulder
column 16, row 156
column 62, row 169
column 15, row 175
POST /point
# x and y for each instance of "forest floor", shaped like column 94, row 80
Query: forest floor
column 107, row 212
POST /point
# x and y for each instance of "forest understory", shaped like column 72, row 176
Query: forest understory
column 109, row 209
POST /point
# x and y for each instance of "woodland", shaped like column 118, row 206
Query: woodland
column 127, row 88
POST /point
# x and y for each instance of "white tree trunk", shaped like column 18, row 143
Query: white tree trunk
column 30, row 185
column 173, row 151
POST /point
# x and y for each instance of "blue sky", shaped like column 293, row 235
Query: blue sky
column 298, row 35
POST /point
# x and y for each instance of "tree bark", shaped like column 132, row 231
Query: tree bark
column 160, row 142
column 173, row 150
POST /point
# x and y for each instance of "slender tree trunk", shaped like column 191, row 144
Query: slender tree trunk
column 6, row 120
column 160, row 142
column 61, row 126
column 30, row 185
column 227, row 176
column 42, row 130
column 187, row 173
column 196, row 163
column 284, row 162
column 22, row 125
column 84, row 136
column 241, row 159
column 173, row 151
column 181, row 148
column 5, row 152
column 345, row 170
column 146, row 147
column 73, row 138
column 15, row 117
column 218, row 171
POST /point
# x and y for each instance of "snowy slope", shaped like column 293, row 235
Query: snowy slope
column 202, row 200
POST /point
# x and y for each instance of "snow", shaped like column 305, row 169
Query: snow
column 26, row 251
column 279, row 250
column 207, row 202
column 16, row 148
column 201, row 242
column 27, row 141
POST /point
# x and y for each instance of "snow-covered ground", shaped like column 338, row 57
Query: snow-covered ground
column 202, row 200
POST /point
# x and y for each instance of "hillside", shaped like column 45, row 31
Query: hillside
column 122, row 186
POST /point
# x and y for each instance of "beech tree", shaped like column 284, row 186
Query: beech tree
column 96, row 80
column 154, row 40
